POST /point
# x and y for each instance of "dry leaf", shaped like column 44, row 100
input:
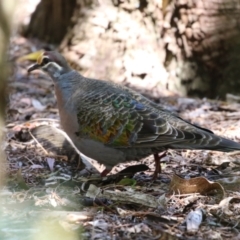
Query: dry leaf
column 37, row 105
column 193, row 220
column 224, row 205
column 194, row 185
column 50, row 162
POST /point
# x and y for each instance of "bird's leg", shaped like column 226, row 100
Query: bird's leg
column 105, row 172
column 157, row 159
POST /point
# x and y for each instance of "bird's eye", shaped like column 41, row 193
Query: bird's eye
column 45, row 61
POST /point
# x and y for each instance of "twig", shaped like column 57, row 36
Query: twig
column 38, row 143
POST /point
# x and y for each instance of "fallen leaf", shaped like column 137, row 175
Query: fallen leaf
column 37, row 105
column 127, row 182
column 225, row 205
column 50, row 162
column 194, row 185
column 193, row 220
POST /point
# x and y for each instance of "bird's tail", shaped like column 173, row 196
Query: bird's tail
column 214, row 142
column 226, row 145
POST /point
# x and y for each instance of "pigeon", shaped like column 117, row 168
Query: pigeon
column 113, row 124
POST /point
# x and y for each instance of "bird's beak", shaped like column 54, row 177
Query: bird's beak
column 33, row 67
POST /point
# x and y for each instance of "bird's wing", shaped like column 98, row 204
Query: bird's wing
column 118, row 120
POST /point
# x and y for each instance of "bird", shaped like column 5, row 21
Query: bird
column 113, row 124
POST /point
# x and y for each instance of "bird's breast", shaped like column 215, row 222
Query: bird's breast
column 67, row 112
column 100, row 152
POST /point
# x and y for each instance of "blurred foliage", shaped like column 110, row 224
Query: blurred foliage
column 6, row 13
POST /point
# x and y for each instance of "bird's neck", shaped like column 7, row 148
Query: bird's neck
column 65, row 86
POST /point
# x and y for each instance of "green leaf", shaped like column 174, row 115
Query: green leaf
column 20, row 180
column 127, row 182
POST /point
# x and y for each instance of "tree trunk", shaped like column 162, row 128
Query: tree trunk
column 50, row 20
column 203, row 46
column 119, row 41
column 187, row 47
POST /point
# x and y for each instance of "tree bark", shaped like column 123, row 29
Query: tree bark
column 50, row 20
column 203, row 46
column 187, row 47
column 119, row 41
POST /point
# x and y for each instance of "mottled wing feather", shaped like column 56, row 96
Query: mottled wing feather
column 122, row 118
column 114, row 123
column 122, row 122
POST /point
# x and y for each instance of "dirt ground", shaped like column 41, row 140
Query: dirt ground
column 48, row 195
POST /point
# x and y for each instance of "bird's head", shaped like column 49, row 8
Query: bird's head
column 52, row 63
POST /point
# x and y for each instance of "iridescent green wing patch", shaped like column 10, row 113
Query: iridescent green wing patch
column 120, row 121
column 114, row 122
